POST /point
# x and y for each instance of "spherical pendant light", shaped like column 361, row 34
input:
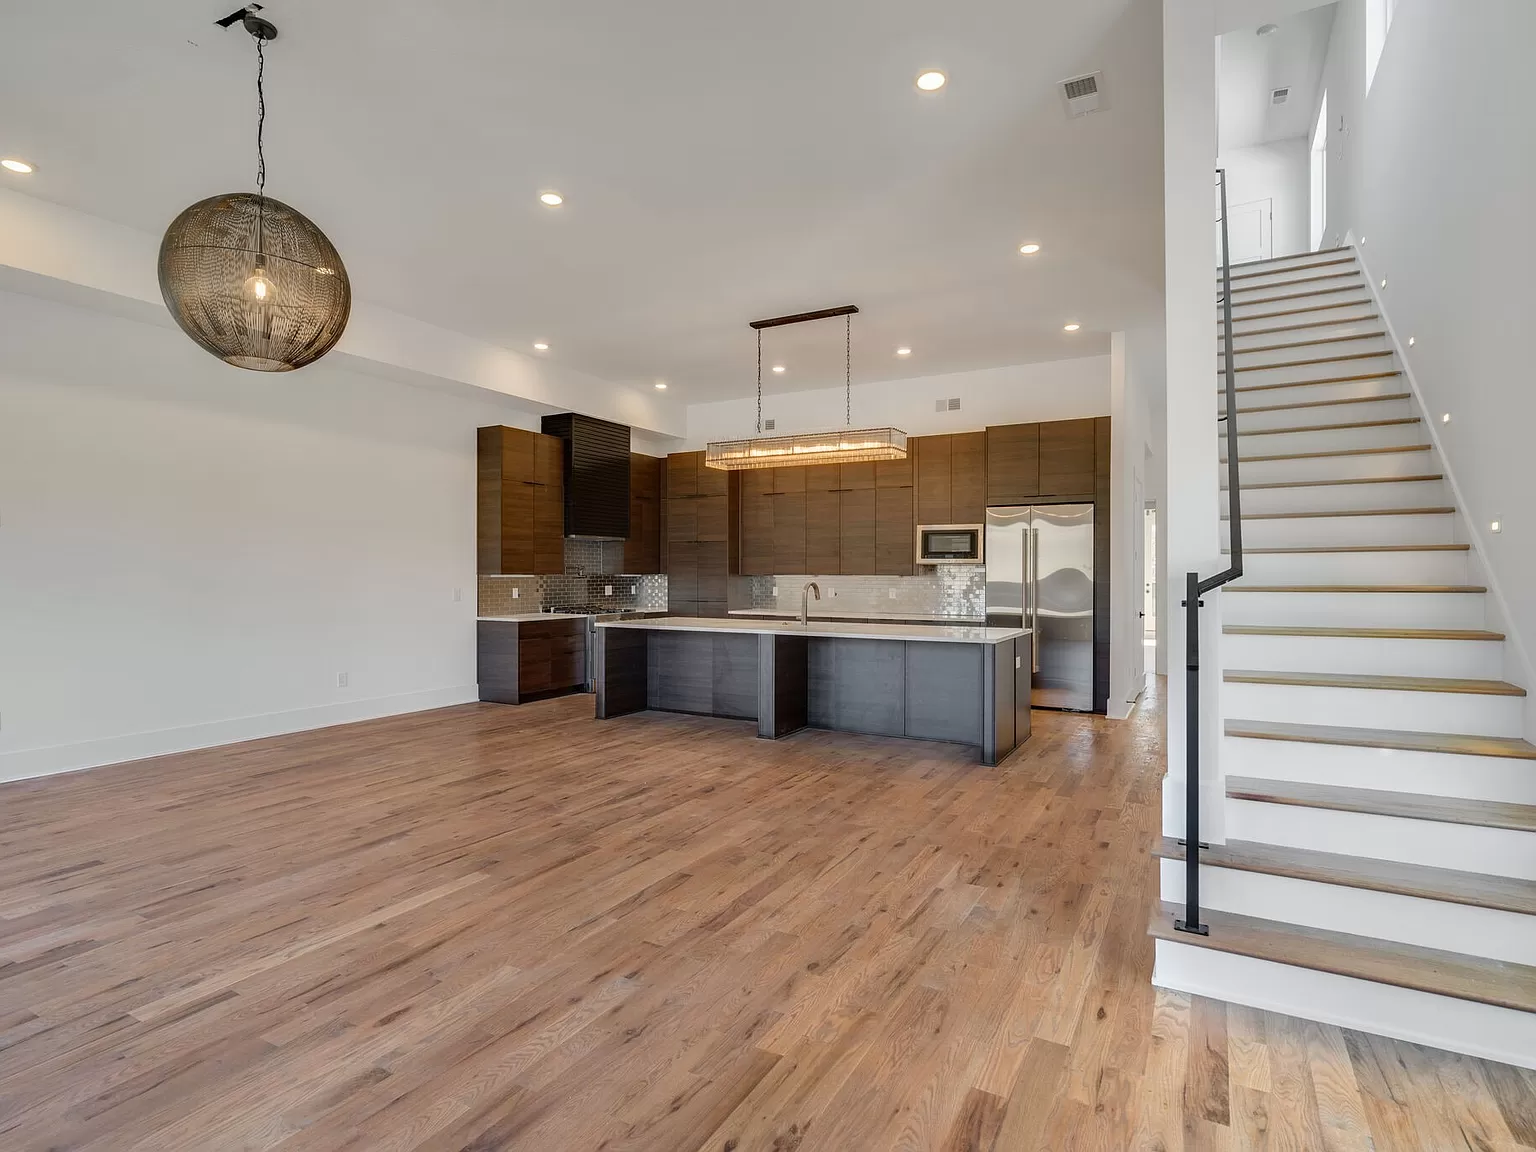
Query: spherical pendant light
column 249, row 278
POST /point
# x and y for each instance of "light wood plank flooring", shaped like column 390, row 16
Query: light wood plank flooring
column 488, row 927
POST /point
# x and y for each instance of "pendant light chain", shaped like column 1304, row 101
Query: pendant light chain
column 261, row 155
column 848, row 371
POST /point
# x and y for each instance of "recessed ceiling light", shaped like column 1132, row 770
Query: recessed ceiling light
column 553, row 199
column 778, row 368
column 661, row 385
column 1267, row 29
column 903, row 351
column 932, row 80
column 1497, row 526
column 540, row 346
column 11, row 164
column 1029, row 249
column 1070, row 327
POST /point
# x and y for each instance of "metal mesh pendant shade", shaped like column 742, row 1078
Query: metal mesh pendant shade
column 209, row 259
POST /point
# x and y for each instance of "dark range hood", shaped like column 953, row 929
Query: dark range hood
column 596, row 474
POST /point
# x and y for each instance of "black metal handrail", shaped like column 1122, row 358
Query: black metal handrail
column 1196, row 588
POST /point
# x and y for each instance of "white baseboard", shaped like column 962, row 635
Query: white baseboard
column 1464, row 1026
column 26, row 763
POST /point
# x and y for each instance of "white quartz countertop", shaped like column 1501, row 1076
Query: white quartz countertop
column 957, row 634
column 783, row 614
column 522, row 616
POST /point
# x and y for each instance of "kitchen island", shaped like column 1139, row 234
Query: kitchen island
column 966, row 685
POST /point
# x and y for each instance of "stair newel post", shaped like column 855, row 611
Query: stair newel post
column 1191, row 921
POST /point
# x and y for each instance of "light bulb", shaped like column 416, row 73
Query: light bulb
column 259, row 288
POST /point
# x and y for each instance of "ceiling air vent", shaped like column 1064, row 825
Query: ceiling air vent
column 1084, row 94
column 1279, row 95
column 950, row 405
column 768, row 425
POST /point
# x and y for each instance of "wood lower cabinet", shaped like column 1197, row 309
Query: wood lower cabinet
column 519, row 660
column 520, row 504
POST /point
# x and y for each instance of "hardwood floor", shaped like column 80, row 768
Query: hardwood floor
column 491, row 927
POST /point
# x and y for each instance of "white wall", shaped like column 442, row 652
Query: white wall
column 1054, row 390
column 1278, row 172
column 189, row 553
column 1435, row 170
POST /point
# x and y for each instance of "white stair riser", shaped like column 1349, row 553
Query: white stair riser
column 1340, row 363
column 1291, row 349
column 1467, row 847
column 1293, row 302
column 1462, row 659
column 1391, row 769
column 1258, row 333
column 1411, row 462
column 1379, row 568
column 1329, row 497
column 1353, row 412
column 1360, row 609
column 1321, row 322
column 1330, row 531
column 1426, row 923
column 1482, row 1030
column 1475, row 714
column 1310, row 393
column 1255, row 442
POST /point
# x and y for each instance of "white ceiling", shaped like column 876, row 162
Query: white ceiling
column 1253, row 66
column 720, row 162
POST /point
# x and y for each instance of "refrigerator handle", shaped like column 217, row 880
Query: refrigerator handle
column 1032, row 564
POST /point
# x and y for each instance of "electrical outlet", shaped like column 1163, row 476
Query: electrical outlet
column 607, row 589
column 632, row 589
column 341, row 679
column 458, row 595
column 516, row 593
column 891, row 592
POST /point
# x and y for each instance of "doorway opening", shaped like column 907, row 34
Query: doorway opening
column 1320, row 175
column 1149, row 589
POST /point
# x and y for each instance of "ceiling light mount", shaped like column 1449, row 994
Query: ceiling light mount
column 257, row 26
column 23, row 167
column 931, row 80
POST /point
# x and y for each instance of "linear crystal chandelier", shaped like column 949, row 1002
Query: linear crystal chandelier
column 846, row 445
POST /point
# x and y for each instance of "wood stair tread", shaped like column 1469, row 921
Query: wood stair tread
column 1340, row 548
column 1323, row 403
column 1299, row 327
column 1346, row 480
column 1377, row 802
column 1366, row 303
column 1277, row 259
column 1479, row 890
column 1339, row 273
column 1350, row 588
column 1497, row 982
column 1310, row 293
column 1447, row 743
column 1363, row 633
column 1384, row 450
column 1371, row 680
column 1355, row 379
column 1305, row 363
column 1392, row 423
column 1326, row 514
column 1317, row 343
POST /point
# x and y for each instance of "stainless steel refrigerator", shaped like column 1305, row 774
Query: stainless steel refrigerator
column 1039, row 562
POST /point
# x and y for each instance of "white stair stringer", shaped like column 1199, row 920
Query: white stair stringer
column 1368, row 718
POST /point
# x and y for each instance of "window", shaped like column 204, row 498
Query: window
column 1320, row 175
column 1378, row 21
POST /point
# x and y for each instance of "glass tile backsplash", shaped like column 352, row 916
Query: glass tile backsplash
column 957, row 590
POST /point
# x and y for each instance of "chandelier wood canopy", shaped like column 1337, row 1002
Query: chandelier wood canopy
column 250, row 278
column 847, row 445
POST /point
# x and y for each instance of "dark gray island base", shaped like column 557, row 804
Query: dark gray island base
column 965, row 685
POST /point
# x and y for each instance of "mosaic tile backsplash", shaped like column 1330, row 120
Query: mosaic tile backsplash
column 951, row 590
column 591, row 567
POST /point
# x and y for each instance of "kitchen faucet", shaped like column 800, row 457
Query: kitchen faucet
column 805, row 600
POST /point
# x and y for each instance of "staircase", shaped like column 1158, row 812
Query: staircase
column 1379, row 869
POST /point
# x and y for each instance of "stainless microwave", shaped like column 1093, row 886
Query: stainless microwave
column 950, row 543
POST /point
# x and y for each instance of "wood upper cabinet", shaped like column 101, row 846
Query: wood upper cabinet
column 1013, row 463
column 967, row 478
column 823, row 520
column 702, row 521
column 520, row 504
column 756, row 554
column 642, row 547
column 1067, row 458
column 933, row 461
column 856, row 508
column 895, row 518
